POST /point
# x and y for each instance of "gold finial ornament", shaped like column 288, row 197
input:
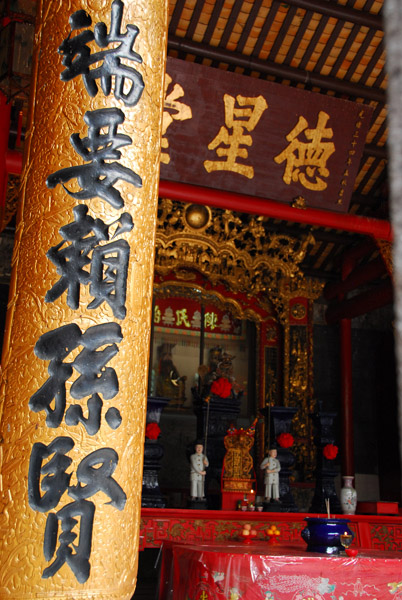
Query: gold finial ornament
column 197, row 216
column 299, row 202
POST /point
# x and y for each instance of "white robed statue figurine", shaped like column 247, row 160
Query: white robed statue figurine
column 198, row 462
column 271, row 466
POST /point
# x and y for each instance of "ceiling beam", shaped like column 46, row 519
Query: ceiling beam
column 277, row 210
column 277, row 70
column 366, row 302
column 357, row 252
column 376, row 151
column 331, row 9
column 360, row 276
column 320, row 235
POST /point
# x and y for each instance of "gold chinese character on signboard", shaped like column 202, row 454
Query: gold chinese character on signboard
column 182, row 317
column 306, row 162
column 210, row 320
column 172, row 111
column 231, row 138
column 157, row 314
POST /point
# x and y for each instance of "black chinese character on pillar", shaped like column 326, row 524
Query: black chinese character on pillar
column 78, row 60
column 48, row 481
column 98, row 177
column 95, row 471
column 107, row 276
column 95, row 377
column 55, row 481
column 76, row 555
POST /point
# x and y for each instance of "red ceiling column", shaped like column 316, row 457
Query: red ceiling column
column 196, row 194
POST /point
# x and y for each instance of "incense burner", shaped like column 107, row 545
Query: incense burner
column 323, row 535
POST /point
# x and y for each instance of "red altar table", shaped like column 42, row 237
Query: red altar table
column 377, row 532
column 259, row 571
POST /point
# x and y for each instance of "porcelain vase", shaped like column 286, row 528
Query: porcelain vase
column 348, row 496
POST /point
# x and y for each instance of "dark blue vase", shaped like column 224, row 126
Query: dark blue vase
column 323, row 535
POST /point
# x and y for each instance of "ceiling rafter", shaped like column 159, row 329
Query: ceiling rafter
column 277, row 70
column 339, row 11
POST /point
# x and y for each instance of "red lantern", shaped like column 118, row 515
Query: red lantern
column 152, row 431
column 330, row 451
column 285, row 440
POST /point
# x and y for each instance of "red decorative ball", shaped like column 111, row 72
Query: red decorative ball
column 330, row 451
column 285, row 440
column 152, row 431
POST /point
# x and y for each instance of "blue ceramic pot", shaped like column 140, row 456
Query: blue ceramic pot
column 322, row 535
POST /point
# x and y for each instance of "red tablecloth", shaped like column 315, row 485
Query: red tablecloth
column 258, row 571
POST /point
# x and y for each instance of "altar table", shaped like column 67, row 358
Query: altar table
column 259, row 571
column 158, row 526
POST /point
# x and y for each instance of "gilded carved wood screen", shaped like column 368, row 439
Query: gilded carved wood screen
column 233, row 257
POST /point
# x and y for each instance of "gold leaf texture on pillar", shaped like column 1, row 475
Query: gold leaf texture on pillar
column 46, row 546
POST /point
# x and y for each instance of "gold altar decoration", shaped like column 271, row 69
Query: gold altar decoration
column 298, row 366
column 283, row 290
column 299, row 202
column 232, row 249
column 237, row 470
column 70, row 486
column 186, row 289
column 298, row 375
column 243, row 254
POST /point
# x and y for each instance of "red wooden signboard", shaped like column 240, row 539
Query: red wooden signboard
column 185, row 314
column 241, row 134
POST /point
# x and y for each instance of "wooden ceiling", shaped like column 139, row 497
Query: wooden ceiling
column 328, row 47
column 325, row 46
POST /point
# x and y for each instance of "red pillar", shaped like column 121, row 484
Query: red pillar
column 5, row 115
column 347, row 442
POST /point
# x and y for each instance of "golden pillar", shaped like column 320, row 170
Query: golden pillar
column 75, row 360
